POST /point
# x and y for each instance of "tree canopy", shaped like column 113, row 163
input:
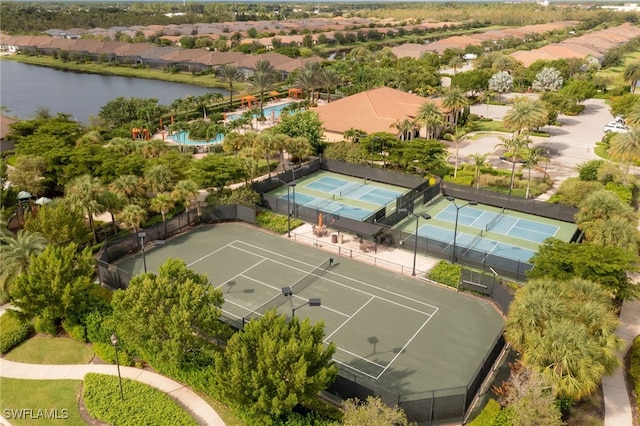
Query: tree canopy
column 565, row 330
column 276, row 365
column 168, row 316
column 605, row 265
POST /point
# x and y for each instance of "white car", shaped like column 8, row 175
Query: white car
column 615, row 127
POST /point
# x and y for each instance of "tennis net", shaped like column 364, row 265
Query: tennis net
column 312, row 276
column 494, row 220
column 298, row 286
column 473, row 242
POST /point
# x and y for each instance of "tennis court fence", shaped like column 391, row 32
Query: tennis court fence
column 561, row 212
column 115, row 278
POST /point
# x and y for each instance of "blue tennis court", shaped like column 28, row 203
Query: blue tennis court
column 500, row 223
column 486, row 245
column 354, row 190
column 330, row 206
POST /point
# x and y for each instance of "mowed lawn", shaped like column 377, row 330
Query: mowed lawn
column 615, row 73
column 58, row 397
column 51, row 350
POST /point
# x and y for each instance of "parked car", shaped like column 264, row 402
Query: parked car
column 615, row 127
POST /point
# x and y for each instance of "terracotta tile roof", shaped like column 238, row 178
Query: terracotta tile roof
column 594, row 44
column 412, row 50
column 371, row 111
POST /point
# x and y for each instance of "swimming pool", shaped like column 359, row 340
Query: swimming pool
column 269, row 112
column 182, row 137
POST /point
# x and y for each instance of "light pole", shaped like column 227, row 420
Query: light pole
column 142, row 235
column 114, row 342
column 275, row 179
column 314, row 301
column 455, row 229
column 425, row 216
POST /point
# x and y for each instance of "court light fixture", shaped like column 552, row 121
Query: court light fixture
column 455, row 229
column 425, row 216
column 313, row 301
column 142, row 236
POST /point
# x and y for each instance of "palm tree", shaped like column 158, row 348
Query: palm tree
column 129, row 186
column 514, row 148
column 479, row 161
column 234, row 142
column 354, row 134
column 269, row 141
column 263, row 78
column 601, row 206
column 633, row 117
column 16, row 254
column 132, row 216
column 430, row 116
column 460, row 135
column 530, row 158
column 405, row 128
column 329, row 80
column 615, row 231
column 158, row 178
column 112, row 202
column 632, row 75
column 565, row 331
column 163, row 203
column 626, row 146
column 525, row 115
column 230, row 75
column 153, row 148
column 308, row 78
column 454, row 100
column 186, row 191
column 84, row 193
column 486, row 96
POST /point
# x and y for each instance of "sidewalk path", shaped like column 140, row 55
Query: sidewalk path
column 189, row 400
column 617, row 407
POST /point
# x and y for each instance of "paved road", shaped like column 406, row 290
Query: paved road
column 189, row 400
column 568, row 146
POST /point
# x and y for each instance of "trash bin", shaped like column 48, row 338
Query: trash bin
column 334, row 238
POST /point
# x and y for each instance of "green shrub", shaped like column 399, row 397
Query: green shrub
column 107, row 353
column 463, row 177
column 13, row 331
column 574, row 110
column 46, row 325
column 275, row 222
column 488, row 415
column 76, row 331
column 446, row 273
column 624, row 192
column 634, row 373
column 573, row 191
column 142, row 404
column 589, row 171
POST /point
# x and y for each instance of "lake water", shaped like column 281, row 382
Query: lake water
column 24, row 88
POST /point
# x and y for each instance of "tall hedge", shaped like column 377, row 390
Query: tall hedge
column 13, row 331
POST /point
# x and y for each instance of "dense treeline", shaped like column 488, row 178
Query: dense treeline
column 19, row 18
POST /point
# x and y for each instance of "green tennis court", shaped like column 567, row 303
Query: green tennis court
column 340, row 195
column 396, row 332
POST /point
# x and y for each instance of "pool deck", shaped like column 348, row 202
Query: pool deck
column 256, row 126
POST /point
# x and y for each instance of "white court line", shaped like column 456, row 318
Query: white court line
column 478, row 218
column 207, row 255
column 241, row 273
column 372, row 296
column 345, row 277
column 348, row 319
column 364, row 359
column 356, row 369
column 404, row 347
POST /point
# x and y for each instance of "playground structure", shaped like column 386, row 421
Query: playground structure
column 138, row 133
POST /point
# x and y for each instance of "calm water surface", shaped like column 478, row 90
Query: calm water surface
column 24, row 88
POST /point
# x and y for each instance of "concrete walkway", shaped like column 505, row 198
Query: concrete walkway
column 189, row 400
column 617, row 406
